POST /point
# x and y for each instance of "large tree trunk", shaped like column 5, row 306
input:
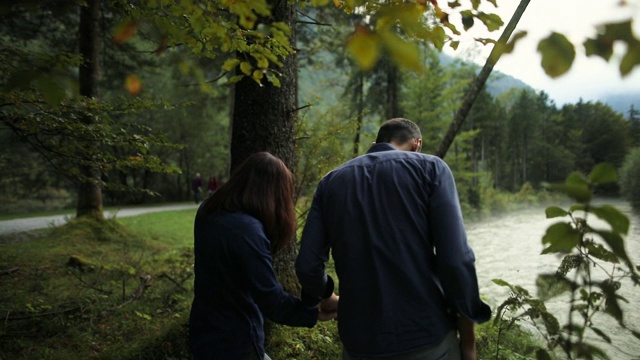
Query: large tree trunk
column 89, row 190
column 263, row 120
column 474, row 88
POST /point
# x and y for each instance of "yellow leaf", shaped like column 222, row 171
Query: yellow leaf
column 319, row 2
column 403, row 53
column 364, row 46
column 257, row 75
column 245, row 67
column 133, row 85
column 124, row 32
column 230, row 64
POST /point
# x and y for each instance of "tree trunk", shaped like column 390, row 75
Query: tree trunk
column 263, row 120
column 392, row 108
column 478, row 82
column 89, row 190
column 359, row 113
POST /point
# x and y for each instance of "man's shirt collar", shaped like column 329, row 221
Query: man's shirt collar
column 377, row 147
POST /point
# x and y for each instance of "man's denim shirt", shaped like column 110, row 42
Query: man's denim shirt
column 393, row 223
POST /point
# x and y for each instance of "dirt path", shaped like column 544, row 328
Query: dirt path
column 34, row 223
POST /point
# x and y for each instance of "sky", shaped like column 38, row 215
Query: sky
column 590, row 78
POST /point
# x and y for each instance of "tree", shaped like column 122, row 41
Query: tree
column 474, row 88
column 630, row 178
column 89, row 189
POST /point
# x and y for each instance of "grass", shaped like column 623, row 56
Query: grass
column 121, row 289
column 98, row 290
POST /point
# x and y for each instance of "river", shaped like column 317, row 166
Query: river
column 508, row 247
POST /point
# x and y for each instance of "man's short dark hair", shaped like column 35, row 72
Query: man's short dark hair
column 398, row 130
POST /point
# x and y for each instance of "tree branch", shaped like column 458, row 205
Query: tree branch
column 478, row 82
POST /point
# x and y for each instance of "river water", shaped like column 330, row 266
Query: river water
column 508, row 247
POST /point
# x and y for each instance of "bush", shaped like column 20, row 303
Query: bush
column 630, row 178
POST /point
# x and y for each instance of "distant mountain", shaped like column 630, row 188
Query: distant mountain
column 497, row 83
column 622, row 102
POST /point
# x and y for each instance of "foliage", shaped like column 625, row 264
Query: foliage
column 594, row 267
column 630, row 178
column 98, row 289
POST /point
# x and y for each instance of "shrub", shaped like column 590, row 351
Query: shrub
column 630, row 178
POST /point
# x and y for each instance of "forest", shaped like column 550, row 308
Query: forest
column 114, row 103
column 164, row 112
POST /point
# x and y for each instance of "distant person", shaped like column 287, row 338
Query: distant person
column 236, row 232
column 212, row 186
column 196, row 186
column 392, row 220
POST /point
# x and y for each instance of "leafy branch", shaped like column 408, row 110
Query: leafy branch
column 590, row 254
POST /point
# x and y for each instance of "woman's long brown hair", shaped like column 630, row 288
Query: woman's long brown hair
column 262, row 187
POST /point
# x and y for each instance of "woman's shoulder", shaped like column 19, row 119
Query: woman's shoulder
column 239, row 221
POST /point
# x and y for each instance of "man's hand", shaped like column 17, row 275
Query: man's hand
column 330, row 304
column 329, row 308
column 327, row 315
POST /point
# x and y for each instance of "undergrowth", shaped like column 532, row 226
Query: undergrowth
column 122, row 289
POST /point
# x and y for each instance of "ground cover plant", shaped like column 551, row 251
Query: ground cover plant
column 122, row 288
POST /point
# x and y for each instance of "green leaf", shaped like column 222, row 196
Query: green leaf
column 617, row 219
column 576, row 187
column 599, row 252
column 630, row 59
column 516, row 289
column 552, row 285
column 601, row 333
column 555, row 211
column 612, row 307
column 493, row 22
column 602, row 45
column 603, row 174
column 467, row 19
column 561, row 237
column 500, row 282
column 557, row 54
column 550, row 323
column 616, row 244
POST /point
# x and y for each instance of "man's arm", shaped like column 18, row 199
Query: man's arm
column 455, row 259
column 314, row 252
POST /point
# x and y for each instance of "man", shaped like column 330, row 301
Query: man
column 407, row 279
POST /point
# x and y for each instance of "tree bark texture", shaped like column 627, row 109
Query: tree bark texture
column 89, row 189
column 478, row 82
column 263, row 120
column 264, row 116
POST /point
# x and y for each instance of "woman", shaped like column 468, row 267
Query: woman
column 236, row 230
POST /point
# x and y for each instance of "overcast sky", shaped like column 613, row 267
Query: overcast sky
column 590, row 77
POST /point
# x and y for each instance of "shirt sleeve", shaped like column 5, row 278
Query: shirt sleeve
column 455, row 259
column 273, row 301
column 312, row 256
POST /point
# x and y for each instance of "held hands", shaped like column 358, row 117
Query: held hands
column 329, row 308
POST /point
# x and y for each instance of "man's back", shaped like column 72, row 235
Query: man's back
column 383, row 208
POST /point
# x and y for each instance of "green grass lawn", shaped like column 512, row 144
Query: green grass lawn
column 122, row 289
